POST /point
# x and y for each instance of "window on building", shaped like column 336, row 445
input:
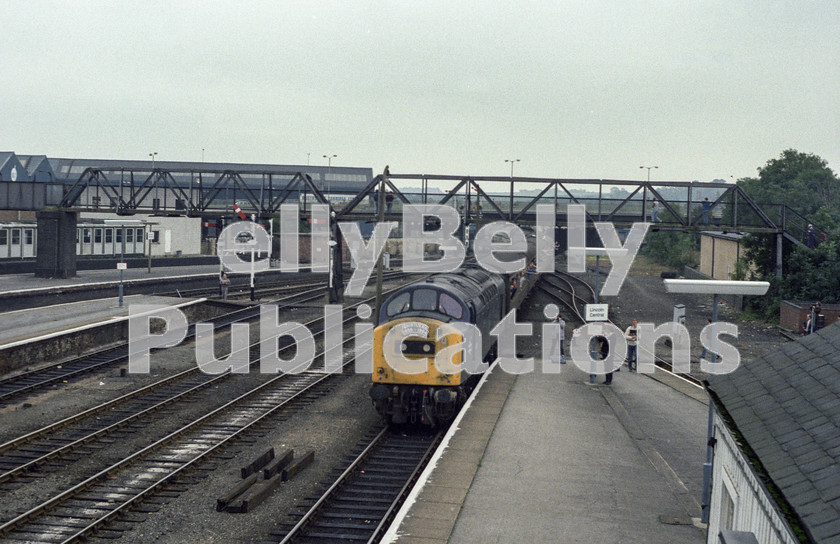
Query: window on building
column 4, row 237
column 129, row 236
column 97, row 236
column 156, row 234
column 727, row 509
column 109, row 236
column 86, row 236
column 28, row 237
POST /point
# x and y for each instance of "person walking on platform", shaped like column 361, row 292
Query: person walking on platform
column 630, row 334
column 224, row 283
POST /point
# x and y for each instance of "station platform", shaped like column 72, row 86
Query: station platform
column 21, row 326
column 28, row 282
column 552, row 458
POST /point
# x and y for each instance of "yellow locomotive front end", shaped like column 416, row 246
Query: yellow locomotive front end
column 417, row 375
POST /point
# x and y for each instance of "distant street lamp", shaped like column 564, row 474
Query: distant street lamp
column 649, row 169
column 152, row 155
column 329, row 164
column 511, row 161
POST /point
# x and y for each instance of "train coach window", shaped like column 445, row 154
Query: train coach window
column 109, row 236
column 399, row 304
column 425, row 299
column 28, row 237
column 129, row 236
column 86, row 236
column 450, row 306
column 97, row 236
column 4, row 237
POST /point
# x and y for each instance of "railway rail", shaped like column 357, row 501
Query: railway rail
column 58, row 444
column 13, row 387
column 566, row 284
column 367, row 492
column 157, row 470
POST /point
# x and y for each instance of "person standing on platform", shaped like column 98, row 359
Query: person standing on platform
column 224, row 283
column 605, row 352
column 630, row 334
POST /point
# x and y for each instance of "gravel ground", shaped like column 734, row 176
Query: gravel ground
column 330, row 425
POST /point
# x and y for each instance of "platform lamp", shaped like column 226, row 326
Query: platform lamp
column 121, row 266
column 714, row 288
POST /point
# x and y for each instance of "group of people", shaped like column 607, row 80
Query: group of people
column 518, row 280
column 389, row 201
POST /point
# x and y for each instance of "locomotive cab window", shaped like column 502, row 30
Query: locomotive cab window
column 399, row 304
column 450, row 306
column 424, row 299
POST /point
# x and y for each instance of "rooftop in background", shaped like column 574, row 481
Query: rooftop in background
column 785, row 405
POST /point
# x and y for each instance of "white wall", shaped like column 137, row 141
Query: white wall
column 752, row 508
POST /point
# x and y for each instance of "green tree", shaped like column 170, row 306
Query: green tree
column 806, row 184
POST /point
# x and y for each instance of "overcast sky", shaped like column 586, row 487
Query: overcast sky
column 702, row 89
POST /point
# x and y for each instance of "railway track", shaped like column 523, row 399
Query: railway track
column 12, row 388
column 158, row 469
column 29, row 382
column 561, row 284
column 367, row 492
column 60, row 443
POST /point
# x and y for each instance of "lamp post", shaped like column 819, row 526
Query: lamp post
column 329, row 165
column 154, row 154
column 649, row 169
column 714, row 288
column 511, row 161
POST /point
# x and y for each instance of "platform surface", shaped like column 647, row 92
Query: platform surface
column 17, row 282
column 26, row 325
column 552, row 458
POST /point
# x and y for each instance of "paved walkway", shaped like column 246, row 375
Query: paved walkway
column 15, row 282
column 25, row 325
column 551, row 458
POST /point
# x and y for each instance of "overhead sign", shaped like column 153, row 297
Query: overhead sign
column 596, row 312
column 122, row 266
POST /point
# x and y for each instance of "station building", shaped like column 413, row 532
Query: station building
column 776, row 470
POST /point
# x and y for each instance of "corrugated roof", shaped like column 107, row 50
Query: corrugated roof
column 786, row 405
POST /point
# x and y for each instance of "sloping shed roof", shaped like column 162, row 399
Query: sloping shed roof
column 11, row 167
column 786, row 405
column 38, row 166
